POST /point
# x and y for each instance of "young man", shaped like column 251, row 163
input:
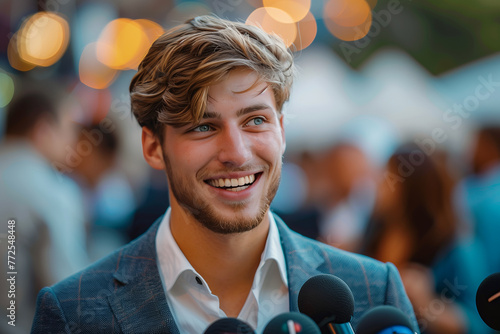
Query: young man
column 209, row 96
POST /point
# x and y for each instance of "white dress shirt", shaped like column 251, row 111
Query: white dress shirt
column 191, row 301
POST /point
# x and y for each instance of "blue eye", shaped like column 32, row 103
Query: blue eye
column 202, row 128
column 257, row 120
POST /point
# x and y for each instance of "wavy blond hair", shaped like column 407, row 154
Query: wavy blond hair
column 171, row 85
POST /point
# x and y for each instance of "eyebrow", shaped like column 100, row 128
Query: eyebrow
column 239, row 113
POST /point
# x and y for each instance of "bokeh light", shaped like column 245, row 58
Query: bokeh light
column 296, row 9
column 122, row 44
column 6, row 89
column 307, row 29
column 92, row 72
column 262, row 19
column 15, row 60
column 347, row 13
column 152, row 30
column 348, row 20
column 43, row 39
column 87, row 24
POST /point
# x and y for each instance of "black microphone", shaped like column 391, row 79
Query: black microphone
column 291, row 323
column 229, row 326
column 384, row 320
column 329, row 302
column 488, row 301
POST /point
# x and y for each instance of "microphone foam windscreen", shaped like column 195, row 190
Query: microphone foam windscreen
column 229, row 326
column 324, row 296
column 380, row 318
column 488, row 301
column 291, row 322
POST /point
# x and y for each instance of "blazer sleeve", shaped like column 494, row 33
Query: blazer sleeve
column 49, row 317
column 396, row 296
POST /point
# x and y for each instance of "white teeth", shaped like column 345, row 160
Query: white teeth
column 238, row 188
column 240, row 183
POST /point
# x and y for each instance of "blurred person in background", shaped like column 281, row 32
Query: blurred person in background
column 108, row 197
column 301, row 216
column 414, row 226
column 346, row 195
column 479, row 194
column 339, row 195
column 46, row 205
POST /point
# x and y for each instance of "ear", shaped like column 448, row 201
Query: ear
column 152, row 150
column 282, row 117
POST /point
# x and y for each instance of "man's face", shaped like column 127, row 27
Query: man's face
column 225, row 170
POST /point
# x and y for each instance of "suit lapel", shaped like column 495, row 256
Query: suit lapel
column 139, row 292
column 302, row 261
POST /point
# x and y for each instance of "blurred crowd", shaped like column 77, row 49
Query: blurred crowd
column 434, row 214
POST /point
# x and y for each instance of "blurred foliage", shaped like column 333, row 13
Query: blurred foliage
column 441, row 35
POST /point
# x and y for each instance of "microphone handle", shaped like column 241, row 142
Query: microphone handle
column 333, row 328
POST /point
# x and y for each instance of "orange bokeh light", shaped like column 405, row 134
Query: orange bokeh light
column 347, row 13
column 307, row 29
column 92, row 72
column 122, row 44
column 15, row 60
column 43, row 39
column 262, row 19
column 296, row 9
column 152, row 29
column 348, row 20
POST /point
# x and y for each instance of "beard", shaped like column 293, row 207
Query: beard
column 200, row 208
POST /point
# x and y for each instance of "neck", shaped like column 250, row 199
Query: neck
column 227, row 262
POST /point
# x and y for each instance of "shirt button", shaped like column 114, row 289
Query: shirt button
column 198, row 280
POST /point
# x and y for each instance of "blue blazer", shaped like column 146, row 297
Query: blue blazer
column 122, row 293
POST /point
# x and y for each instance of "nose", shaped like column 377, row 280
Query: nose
column 235, row 147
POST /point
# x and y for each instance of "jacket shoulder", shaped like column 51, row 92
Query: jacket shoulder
column 372, row 282
column 82, row 300
column 333, row 259
column 111, row 269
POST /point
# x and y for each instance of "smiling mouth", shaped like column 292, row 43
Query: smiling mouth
column 235, row 185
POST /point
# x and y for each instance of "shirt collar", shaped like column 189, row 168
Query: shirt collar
column 273, row 252
column 173, row 263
